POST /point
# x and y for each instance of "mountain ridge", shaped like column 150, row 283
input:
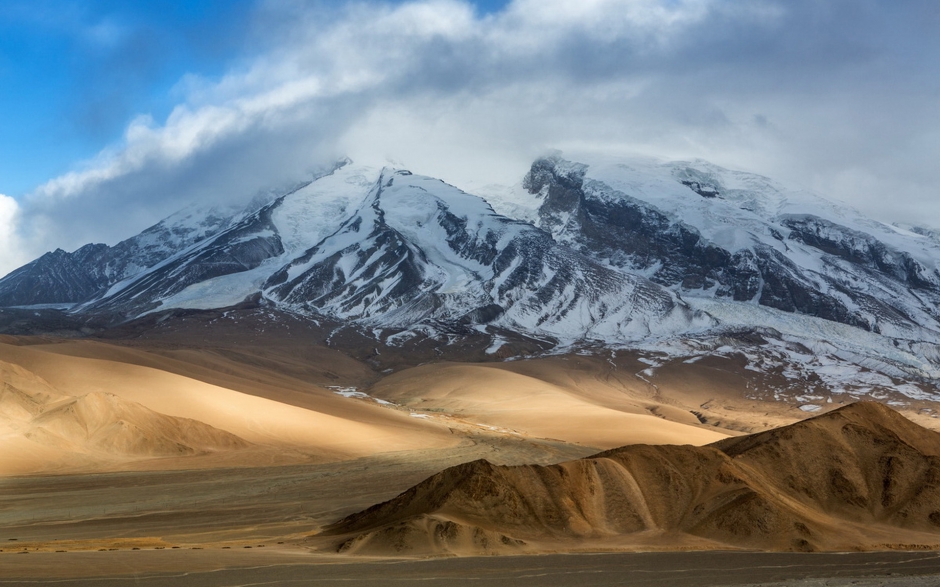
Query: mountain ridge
column 784, row 489
column 594, row 215
column 597, row 252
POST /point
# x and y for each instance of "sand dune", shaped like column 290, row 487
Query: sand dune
column 858, row 477
column 280, row 398
column 118, row 398
column 42, row 429
column 23, row 394
column 74, row 413
column 590, row 415
column 105, row 423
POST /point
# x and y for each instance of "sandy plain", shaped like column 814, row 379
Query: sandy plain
column 664, row 569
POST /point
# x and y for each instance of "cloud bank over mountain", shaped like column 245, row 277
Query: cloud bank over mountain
column 839, row 95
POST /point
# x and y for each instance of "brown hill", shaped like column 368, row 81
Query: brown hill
column 858, row 477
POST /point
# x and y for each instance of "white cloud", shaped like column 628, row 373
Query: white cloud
column 829, row 97
column 12, row 254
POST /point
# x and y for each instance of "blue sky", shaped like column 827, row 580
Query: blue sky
column 74, row 72
column 114, row 114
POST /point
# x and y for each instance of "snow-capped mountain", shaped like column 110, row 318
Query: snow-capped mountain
column 65, row 279
column 418, row 250
column 392, row 250
column 709, row 232
column 601, row 251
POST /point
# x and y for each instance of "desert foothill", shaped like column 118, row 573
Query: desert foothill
column 469, row 292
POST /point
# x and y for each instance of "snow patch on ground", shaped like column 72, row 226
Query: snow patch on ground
column 352, row 392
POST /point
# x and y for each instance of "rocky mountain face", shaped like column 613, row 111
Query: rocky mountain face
column 675, row 257
column 239, row 247
column 65, row 279
column 699, row 237
column 58, row 278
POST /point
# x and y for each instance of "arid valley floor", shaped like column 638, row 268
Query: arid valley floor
column 141, row 457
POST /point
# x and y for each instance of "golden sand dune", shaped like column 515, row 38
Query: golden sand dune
column 23, row 394
column 278, row 399
column 66, row 413
column 858, row 477
column 103, row 422
column 41, row 428
column 587, row 413
column 275, row 400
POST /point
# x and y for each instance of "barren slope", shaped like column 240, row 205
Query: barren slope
column 858, row 477
column 592, row 415
column 295, row 401
column 43, row 430
column 57, row 409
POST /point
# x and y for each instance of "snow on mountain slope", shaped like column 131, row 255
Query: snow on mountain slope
column 390, row 249
column 300, row 219
column 732, row 207
column 672, row 257
column 308, row 215
column 242, row 246
column 706, row 231
column 226, row 265
column 68, row 278
column 420, row 250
